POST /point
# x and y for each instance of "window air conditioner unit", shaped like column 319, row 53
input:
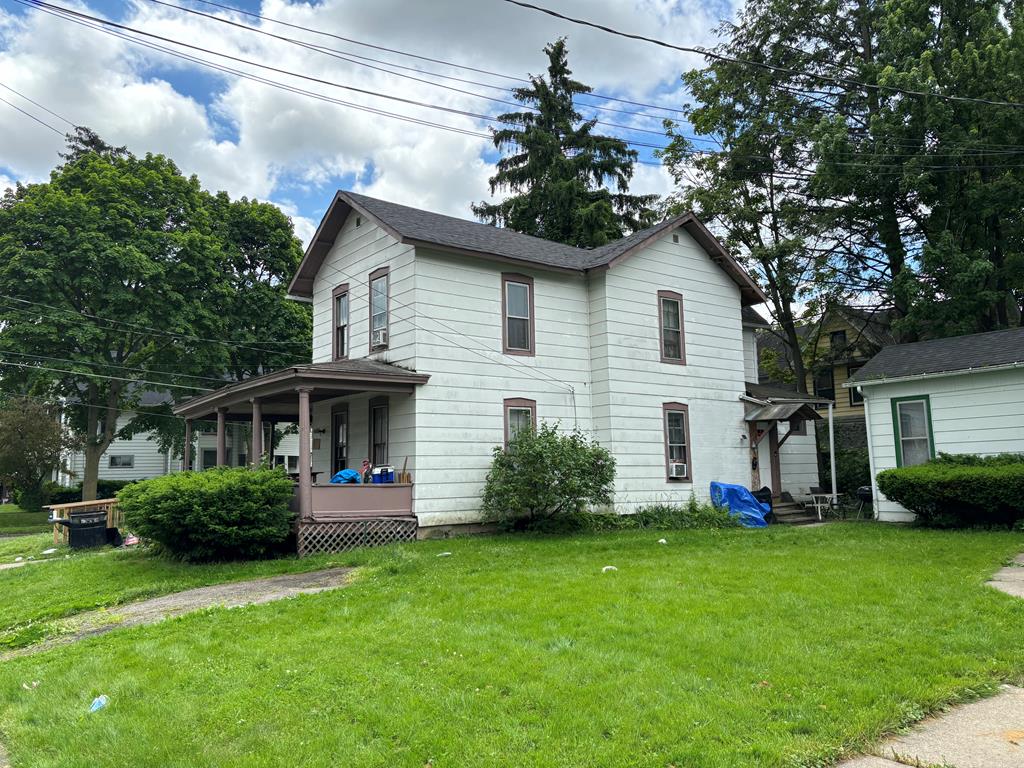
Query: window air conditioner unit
column 676, row 470
column 379, row 338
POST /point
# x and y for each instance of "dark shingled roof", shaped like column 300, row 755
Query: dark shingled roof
column 952, row 355
column 419, row 227
column 752, row 317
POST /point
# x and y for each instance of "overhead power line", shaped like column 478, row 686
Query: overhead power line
column 345, row 56
column 400, row 52
column 30, row 116
column 150, row 329
column 37, row 104
column 832, row 80
column 32, row 367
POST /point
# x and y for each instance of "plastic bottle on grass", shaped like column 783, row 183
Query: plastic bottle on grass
column 99, row 703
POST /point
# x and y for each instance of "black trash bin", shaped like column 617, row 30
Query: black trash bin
column 85, row 529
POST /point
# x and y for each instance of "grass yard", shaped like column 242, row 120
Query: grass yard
column 784, row 647
column 14, row 520
column 37, row 594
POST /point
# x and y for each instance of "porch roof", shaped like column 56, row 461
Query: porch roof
column 276, row 391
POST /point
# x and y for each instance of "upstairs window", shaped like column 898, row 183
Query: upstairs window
column 379, row 309
column 856, row 398
column 670, row 327
column 339, row 439
column 912, row 422
column 677, row 442
column 824, row 384
column 517, row 314
column 340, row 298
column 520, row 414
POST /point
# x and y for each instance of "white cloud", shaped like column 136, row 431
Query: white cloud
column 279, row 142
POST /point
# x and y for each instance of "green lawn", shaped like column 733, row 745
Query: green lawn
column 84, row 579
column 783, row 647
column 13, row 519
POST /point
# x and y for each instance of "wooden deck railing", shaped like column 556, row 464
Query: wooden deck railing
column 60, row 532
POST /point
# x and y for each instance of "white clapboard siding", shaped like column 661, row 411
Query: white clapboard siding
column 798, row 461
column 148, row 460
column 459, row 416
column 631, row 383
column 356, row 253
column 978, row 413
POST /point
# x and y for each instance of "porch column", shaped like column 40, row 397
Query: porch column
column 222, row 446
column 257, row 432
column 186, row 457
column 305, row 469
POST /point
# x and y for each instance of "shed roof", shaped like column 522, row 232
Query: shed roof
column 956, row 354
column 418, row 227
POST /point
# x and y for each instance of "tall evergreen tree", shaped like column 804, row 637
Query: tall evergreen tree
column 559, row 170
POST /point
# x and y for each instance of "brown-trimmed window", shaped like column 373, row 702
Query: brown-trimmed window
column 517, row 314
column 678, row 459
column 856, row 398
column 520, row 414
column 339, row 301
column 670, row 327
column 379, row 431
column 339, row 438
column 379, row 315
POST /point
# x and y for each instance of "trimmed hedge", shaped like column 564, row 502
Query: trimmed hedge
column 960, row 491
column 219, row 514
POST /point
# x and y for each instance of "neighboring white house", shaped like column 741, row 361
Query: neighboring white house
column 434, row 338
column 140, row 457
column 961, row 395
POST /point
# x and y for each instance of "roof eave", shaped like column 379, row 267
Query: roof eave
column 932, row 375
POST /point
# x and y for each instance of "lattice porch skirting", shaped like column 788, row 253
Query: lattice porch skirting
column 340, row 535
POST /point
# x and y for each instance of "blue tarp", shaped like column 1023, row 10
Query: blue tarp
column 740, row 503
column 346, row 476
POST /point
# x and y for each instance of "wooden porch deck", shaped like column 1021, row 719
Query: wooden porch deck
column 349, row 516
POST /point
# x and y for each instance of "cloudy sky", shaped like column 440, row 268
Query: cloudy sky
column 265, row 142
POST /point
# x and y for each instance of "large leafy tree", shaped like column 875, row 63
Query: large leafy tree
column 567, row 183
column 914, row 202
column 120, row 275
column 32, row 443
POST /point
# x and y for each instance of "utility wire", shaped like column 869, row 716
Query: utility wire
column 344, row 56
column 36, row 103
column 31, row 367
column 399, row 52
column 115, row 366
column 840, row 81
column 32, row 117
column 150, row 329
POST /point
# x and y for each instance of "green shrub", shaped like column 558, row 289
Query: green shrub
column 546, row 474
column 853, row 470
column 655, row 517
column 105, row 489
column 219, row 514
column 959, row 491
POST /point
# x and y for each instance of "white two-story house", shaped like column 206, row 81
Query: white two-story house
column 436, row 338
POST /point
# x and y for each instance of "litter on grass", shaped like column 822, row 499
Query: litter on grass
column 30, row 686
column 99, row 703
column 663, row 541
column 18, row 559
column 49, row 551
column 444, row 554
column 608, row 568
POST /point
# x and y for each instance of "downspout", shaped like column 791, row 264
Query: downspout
column 832, row 453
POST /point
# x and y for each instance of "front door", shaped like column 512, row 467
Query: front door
column 339, row 440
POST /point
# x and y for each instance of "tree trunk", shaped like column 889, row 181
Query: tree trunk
column 90, row 480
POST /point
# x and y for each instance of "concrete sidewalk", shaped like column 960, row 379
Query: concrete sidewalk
column 984, row 734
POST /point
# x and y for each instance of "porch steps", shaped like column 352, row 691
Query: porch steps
column 791, row 513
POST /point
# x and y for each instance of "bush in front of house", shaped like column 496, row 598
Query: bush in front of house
column 960, row 491
column 220, row 514
column 546, row 474
column 665, row 517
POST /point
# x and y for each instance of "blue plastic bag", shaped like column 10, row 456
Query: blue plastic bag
column 346, row 476
column 741, row 503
